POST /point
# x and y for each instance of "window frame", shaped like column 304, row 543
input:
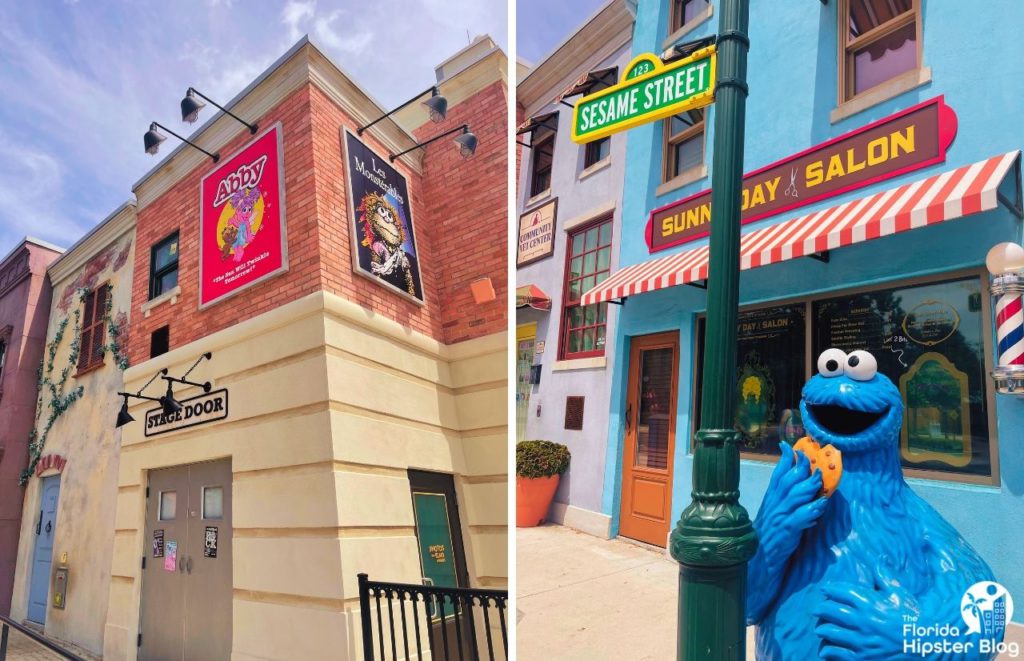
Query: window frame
column 845, row 93
column 669, row 141
column 810, row 365
column 591, row 147
column 156, row 275
column 535, row 144
column 677, row 25
column 91, row 326
column 567, row 306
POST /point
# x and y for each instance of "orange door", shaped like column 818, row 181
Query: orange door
column 650, row 438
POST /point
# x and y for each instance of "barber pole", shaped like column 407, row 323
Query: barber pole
column 1010, row 329
column 1008, row 291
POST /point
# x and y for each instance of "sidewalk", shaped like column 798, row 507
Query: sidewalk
column 22, row 648
column 589, row 598
column 584, row 598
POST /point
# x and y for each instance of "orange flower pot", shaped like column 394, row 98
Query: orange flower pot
column 533, row 499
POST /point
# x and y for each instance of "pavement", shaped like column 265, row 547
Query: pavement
column 22, row 648
column 581, row 597
column 584, row 598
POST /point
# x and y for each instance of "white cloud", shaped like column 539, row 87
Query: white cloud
column 32, row 196
column 295, row 14
column 350, row 39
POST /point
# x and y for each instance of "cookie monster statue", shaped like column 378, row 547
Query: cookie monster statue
column 839, row 577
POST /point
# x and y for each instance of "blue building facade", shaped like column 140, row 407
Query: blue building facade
column 919, row 300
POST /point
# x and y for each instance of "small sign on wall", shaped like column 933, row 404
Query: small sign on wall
column 539, row 347
column 158, row 543
column 208, row 407
column 210, row 542
column 537, row 233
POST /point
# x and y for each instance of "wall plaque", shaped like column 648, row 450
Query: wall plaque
column 537, row 233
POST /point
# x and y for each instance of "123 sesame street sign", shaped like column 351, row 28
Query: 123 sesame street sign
column 650, row 90
column 242, row 227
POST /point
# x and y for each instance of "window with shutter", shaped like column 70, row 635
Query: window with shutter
column 94, row 332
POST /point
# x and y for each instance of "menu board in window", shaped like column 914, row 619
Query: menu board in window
column 770, row 372
column 929, row 340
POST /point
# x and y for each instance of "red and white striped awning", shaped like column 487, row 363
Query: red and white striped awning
column 961, row 192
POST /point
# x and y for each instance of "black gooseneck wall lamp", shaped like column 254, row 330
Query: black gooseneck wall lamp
column 171, row 405
column 168, row 403
column 190, row 107
column 436, row 105
column 465, row 141
column 152, row 140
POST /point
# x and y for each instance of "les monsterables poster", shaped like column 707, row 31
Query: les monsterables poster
column 242, row 225
column 384, row 248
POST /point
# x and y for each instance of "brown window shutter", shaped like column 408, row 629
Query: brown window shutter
column 84, row 349
column 574, row 413
column 90, row 306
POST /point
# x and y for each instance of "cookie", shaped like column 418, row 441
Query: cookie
column 828, row 460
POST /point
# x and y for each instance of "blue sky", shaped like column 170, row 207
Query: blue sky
column 82, row 79
column 543, row 24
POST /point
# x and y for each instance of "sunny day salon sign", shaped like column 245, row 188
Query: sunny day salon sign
column 649, row 90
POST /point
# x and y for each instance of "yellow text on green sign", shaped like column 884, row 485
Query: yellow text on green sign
column 649, row 90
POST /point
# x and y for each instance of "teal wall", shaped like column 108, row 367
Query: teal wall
column 976, row 58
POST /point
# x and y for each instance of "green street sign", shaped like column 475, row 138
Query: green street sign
column 650, row 90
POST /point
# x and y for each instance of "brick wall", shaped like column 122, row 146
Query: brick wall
column 468, row 202
column 335, row 228
column 178, row 209
column 459, row 213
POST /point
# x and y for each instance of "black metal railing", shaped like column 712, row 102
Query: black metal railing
column 451, row 623
column 6, row 624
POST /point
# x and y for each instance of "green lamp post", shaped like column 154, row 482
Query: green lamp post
column 714, row 538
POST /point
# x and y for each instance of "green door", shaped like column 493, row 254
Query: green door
column 443, row 561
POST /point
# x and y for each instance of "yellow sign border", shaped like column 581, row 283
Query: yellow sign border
column 660, row 68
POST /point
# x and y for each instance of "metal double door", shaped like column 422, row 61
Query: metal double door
column 186, row 577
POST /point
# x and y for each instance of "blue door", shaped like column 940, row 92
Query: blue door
column 42, row 556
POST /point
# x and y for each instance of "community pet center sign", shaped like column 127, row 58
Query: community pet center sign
column 906, row 141
column 650, row 90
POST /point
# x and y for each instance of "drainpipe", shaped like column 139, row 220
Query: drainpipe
column 714, row 537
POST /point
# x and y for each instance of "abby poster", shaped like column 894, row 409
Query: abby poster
column 384, row 240
column 242, row 230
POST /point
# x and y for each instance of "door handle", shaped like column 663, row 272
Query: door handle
column 48, row 527
column 188, row 564
column 181, row 564
column 39, row 525
column 629, row 416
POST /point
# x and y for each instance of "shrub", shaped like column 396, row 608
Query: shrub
column 541, row 458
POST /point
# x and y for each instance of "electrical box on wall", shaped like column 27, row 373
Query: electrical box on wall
column 60, row 587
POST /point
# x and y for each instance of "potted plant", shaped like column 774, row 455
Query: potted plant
column 538, row 467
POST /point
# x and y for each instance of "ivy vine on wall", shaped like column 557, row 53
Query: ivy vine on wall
column 54, row 397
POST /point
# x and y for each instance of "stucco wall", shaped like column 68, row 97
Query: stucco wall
column 24, row 306
column 581, row 198
column 85, row 436
column 792, row 92
column 320, row 491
